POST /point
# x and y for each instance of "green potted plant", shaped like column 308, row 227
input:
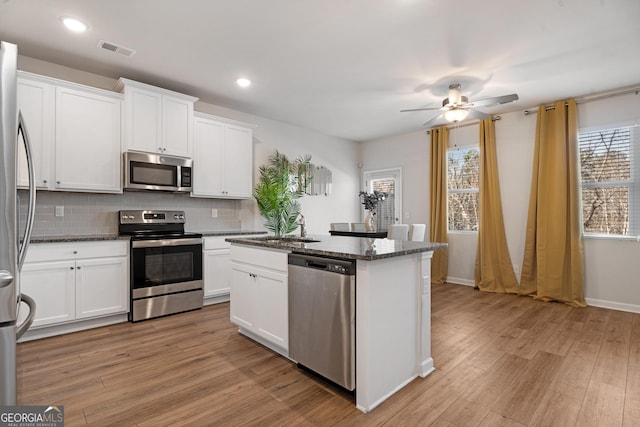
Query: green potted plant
column 278, row 190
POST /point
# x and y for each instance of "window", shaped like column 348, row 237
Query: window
column 463, row 170
column 609, row 188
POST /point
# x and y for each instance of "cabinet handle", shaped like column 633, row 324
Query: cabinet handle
column 70, row 268
column 44, row 181
column 78, row 268
column 57, row 182
column 75, row 252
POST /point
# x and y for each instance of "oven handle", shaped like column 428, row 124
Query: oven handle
column 164, row 242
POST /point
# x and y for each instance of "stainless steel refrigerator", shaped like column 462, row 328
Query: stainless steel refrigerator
column 13, row 249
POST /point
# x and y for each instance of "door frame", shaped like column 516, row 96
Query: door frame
column 396, row 174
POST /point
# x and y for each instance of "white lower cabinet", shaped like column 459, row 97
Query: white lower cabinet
column 99, row 289
column 259, row 294
column 75, row 281
column 216, row 256
column 52, row 286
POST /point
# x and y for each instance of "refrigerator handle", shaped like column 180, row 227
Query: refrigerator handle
column 32, row 191
column 29, row 320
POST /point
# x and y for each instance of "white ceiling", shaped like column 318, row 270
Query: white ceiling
column 344, row 67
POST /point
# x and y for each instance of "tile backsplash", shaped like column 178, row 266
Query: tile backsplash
column 89, row 214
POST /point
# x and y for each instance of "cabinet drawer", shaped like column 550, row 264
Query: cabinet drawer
column 267, row 258
column 218, row 242
column 75, row 250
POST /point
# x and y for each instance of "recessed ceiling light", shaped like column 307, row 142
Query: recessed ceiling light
column 74, row 25
column 242, row 82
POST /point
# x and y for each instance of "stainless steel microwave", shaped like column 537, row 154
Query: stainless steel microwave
column 154, row 172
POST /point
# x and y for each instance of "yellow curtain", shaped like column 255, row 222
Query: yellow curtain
column 553, row 264
column 493, row 270
column 438, row 208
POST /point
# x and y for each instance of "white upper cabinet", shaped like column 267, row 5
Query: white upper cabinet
column 87, row 146
column 36, row 101
column 157, row 120
column 223, row 158
column 75, row 133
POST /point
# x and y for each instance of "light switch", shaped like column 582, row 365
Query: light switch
column 214, row 213
column 59, row 210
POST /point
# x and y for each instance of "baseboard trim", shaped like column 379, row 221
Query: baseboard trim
column 216, row 299
column 73, row 326
column 620, row 306
column 459, row 281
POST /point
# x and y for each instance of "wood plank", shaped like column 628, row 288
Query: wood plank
column 602, row 406
column 613, row 359
column 556, row 409
column 520, row 399
column 632, row 395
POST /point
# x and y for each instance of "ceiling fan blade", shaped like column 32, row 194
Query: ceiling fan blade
column 497, row 100
column 439, row 116
column 475, row 114
column 420, row 109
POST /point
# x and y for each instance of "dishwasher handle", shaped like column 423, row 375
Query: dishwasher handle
column 316, row 265
column 331, row 265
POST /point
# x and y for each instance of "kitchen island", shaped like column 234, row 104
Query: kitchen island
column 392, row 304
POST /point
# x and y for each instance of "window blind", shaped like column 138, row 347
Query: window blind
column 610, row 190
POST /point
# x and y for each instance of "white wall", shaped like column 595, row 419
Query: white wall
column 612, row 266
column 339, row 155
column 409, row 152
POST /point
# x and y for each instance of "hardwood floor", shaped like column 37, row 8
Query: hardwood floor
column 501, row 360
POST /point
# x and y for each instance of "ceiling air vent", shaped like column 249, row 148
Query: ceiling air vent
column 116, row 48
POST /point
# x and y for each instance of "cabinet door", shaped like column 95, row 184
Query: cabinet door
column 101, row 287
column 36, row 101
column 87, row 144
column 177, row 119
column 273, row 314
column 52, row 286
column 243, row 296
column 207, row 155
column 217, row 273
column 143, row 126
column 238, row 162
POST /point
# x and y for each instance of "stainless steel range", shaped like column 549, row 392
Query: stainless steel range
column 166, row 263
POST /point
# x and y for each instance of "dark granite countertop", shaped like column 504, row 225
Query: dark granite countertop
column 82, row 238
column 344, row 247
column 103, row 237
column 229, row 232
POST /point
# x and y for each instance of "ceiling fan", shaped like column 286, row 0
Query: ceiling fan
column 456, row 107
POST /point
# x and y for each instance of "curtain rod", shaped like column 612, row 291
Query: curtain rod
column 592, row 97
column 474, row 122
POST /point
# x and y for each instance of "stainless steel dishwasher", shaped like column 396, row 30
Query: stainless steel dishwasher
column 322, row 316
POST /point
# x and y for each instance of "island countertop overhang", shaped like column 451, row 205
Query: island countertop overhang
column 361, row 248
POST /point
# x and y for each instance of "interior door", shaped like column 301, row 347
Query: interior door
column 389, row 181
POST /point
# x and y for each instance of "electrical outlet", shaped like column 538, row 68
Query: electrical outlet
column 59, row 210
column 516, row 268
column 214, row 213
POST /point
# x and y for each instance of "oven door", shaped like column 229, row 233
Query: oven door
column 165, row 266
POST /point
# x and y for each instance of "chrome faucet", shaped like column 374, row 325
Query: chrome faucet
column 301, row 222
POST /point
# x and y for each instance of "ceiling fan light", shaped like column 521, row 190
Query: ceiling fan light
column 456, row 115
